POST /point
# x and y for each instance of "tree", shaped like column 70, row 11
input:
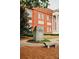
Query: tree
column 24, row 26
column 35, row 3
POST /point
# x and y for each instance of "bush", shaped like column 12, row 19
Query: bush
column 30, row 35
column 45, row 40
column 52, row 34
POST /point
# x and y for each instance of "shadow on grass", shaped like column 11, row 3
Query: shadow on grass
column 33, row 41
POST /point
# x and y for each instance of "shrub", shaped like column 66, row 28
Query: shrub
column 45, row 40
column 30, row 35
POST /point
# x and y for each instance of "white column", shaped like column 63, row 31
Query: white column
column 57, row 24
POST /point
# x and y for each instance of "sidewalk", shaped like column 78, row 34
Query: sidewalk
column 26, row 43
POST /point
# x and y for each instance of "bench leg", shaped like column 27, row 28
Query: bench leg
column 56, row 45
column 48, row 46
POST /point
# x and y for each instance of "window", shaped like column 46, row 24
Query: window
column 40, row 16
column 47, row 29
column 50, row 17
column 50, row 29
column 47, row 17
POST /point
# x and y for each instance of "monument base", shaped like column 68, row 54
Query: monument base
column 38, row 33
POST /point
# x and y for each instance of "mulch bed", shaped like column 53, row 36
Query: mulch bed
column 31, row 52
column 25, row 37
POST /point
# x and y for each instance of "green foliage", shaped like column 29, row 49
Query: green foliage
column 52, row 34
column 24, row 25
column 45, row 40
column 35, row 3
column 29, row 35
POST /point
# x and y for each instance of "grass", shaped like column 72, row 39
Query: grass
column 39, row 41
column 45, row 40
column 52, row 34
column 29, row 35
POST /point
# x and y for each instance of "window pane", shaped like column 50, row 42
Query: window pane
column 42, row 16
column 38, row 15
column 47, row 17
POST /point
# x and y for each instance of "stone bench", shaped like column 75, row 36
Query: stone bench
column 50, row 44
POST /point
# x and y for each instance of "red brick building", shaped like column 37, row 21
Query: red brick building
column 42, row 17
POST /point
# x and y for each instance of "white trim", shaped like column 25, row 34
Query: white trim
column 48, row 23
column 40, row 22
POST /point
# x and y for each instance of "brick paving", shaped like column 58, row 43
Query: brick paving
column 29, row 50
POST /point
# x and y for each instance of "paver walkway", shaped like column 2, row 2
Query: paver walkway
column 26, row 43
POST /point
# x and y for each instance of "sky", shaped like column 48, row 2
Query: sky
column 54, row 4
